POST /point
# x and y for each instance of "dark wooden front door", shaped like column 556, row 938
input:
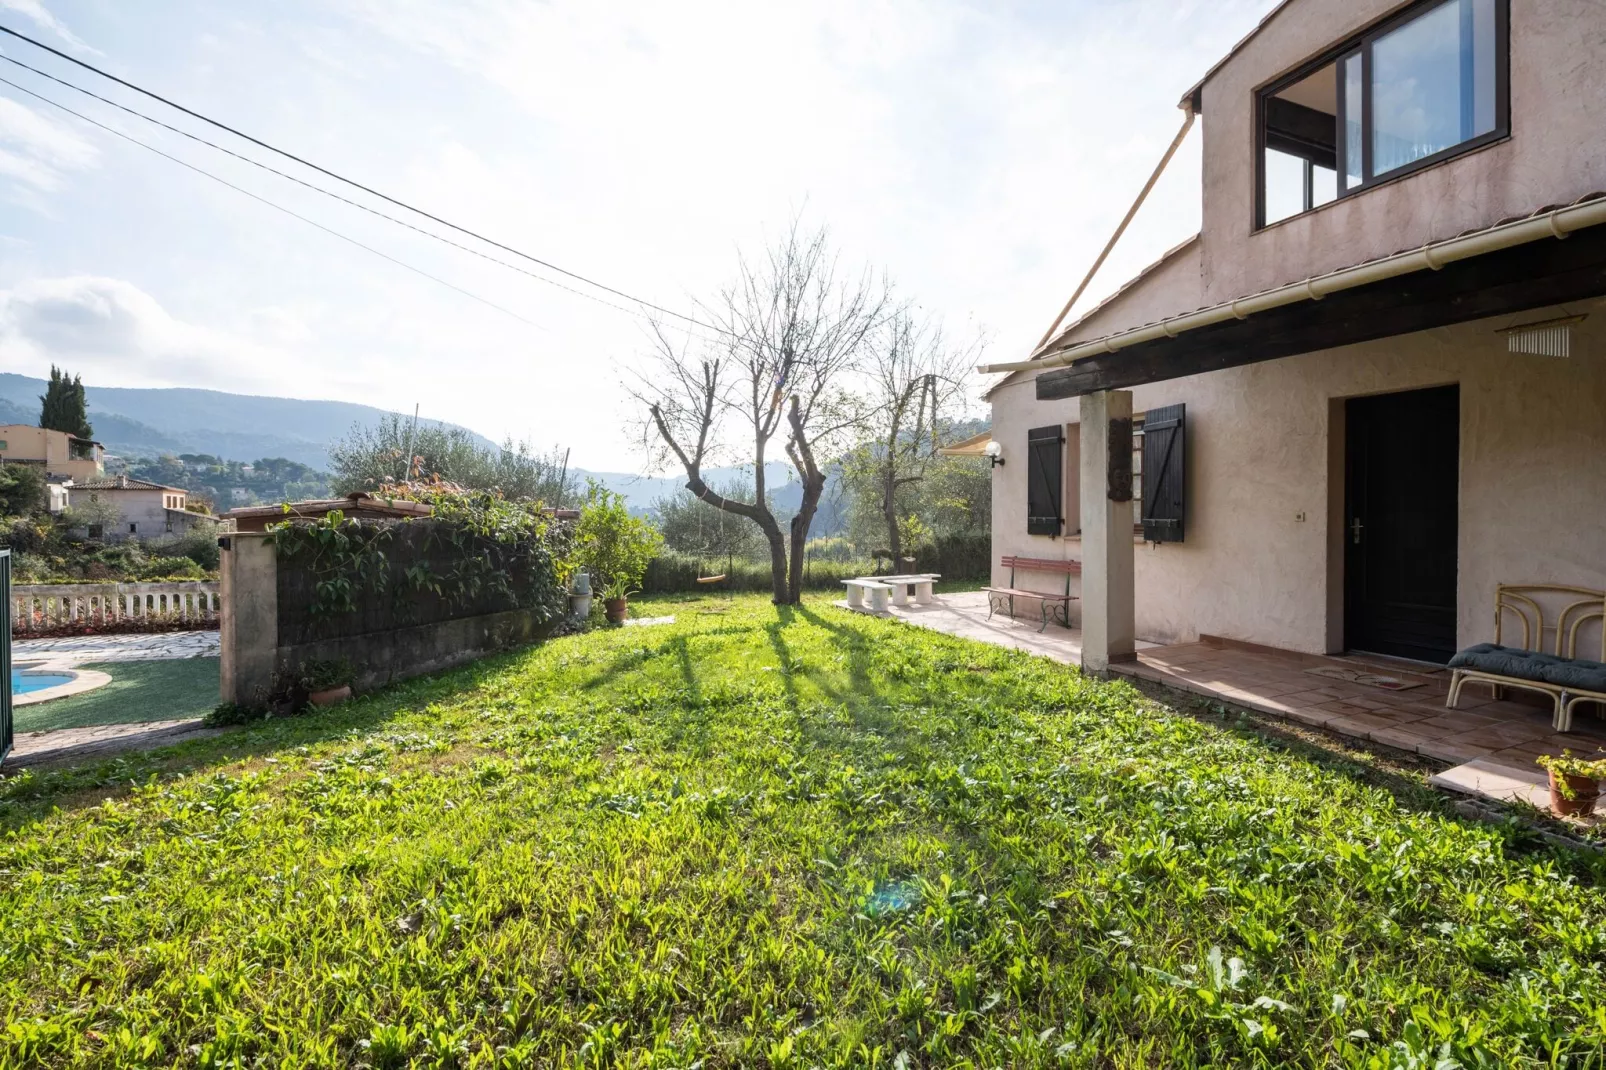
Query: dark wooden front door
column 1403, row 460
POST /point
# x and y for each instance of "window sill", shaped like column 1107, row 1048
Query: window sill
column 1410, row 170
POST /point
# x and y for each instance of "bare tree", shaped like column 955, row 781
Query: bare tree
column 793, row 330
column 915, row 375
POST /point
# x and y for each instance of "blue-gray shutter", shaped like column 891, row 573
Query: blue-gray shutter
column 1165, row 473
column 1045, row 480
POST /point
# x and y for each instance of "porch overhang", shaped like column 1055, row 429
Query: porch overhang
column 1512, row 268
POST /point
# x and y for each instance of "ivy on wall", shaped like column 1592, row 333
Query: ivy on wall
column 478, row 550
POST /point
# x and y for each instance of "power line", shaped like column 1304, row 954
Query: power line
column 270, row 204
column 315, row 188
column 356, row 185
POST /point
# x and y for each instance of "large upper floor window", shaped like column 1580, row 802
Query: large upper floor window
column 1414, row 90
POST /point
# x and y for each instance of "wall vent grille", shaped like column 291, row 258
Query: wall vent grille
column 1548, row 338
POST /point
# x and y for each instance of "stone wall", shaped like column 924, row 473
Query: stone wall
column 255, row 645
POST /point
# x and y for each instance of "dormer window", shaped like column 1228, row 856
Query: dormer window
column 1413, row 91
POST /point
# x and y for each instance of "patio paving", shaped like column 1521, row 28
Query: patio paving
column 135, row 646
column 965, row 614
column 1491, row 744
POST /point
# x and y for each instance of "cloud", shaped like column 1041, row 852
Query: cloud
column 112, row 331
column 35, row 151
column 34, row 10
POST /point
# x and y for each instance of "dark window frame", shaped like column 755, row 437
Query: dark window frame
column 1361, row 43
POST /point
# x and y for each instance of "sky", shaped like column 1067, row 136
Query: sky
column 977, row 152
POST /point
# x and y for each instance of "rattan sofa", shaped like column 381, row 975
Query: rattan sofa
column 1557, row 672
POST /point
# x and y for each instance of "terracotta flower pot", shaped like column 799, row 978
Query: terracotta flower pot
column 615, row 608
column 333, row 696
column 1585, row 790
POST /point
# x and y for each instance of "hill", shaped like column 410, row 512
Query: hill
column 237, row 427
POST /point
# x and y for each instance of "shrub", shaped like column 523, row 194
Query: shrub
column 615, row 547
column 672, row 573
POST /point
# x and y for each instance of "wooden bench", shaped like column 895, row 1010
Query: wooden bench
column 919, row 582
column 1059, row 604
column 1558, row 672
column 877, row 591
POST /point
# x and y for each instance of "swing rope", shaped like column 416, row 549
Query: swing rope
column 702, row 557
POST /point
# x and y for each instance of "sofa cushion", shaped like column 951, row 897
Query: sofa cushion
column 1578, row 673
column 1507, row 661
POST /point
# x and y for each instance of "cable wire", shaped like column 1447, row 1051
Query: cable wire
column 318, row 189
column 355, row 184
column 270, row 204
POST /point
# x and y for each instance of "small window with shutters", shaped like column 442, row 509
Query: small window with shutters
column 1164, row 473
column 1045, row 480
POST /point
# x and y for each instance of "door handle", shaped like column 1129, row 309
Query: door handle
column 1355, row 530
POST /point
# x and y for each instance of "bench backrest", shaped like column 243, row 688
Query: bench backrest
column 1041, row 564
column 1555, row 608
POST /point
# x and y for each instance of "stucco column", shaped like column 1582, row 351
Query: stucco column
column 1108, row 630
column 248, row 618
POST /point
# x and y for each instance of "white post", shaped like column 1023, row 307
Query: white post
column 1108, row 629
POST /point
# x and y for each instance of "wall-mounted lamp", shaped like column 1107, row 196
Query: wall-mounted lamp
column 994, row 452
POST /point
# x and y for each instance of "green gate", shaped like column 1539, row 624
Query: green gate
column 5, row 653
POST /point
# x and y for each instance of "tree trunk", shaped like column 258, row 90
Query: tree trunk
column 778, row 577
column 889, row 512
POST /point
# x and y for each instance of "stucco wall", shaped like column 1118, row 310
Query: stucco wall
column 1555, row 153
column 1262, row 449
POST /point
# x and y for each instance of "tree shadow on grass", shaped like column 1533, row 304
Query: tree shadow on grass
column 28, row 795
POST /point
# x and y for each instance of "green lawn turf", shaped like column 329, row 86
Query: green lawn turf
column 778, row 838
column 165, row 690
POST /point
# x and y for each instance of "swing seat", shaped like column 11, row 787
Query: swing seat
column 710, row 579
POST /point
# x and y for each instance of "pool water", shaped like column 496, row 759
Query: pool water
column 21, row 685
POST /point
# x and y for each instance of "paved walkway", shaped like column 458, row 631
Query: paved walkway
column 138, row 646
column 1490, row 744
column 102, row 741
column 33, row 749
column 965, row 614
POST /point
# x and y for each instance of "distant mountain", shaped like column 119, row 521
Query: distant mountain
column 786, row 493
column 236, row 427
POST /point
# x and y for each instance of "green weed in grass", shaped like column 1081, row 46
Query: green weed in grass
column 777, row 838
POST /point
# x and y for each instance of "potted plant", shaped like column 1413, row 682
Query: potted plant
column 614, row 547
column 328, row 682
column 616, row 599
column 1574, row 782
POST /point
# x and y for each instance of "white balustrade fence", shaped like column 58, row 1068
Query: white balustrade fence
column 41, row 607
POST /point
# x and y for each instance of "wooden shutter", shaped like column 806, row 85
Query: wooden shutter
column 1164, row 473
column 1045, row 480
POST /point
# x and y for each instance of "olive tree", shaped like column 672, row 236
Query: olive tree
column 786, row 339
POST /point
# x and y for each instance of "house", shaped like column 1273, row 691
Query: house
column 63, row 456
column 144, row 510
column 1374, row 385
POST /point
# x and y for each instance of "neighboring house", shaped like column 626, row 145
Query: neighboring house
column 1340, row 442
column 146, row 511
column 61, row 455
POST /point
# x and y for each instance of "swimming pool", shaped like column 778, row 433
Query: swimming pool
column 21, row 685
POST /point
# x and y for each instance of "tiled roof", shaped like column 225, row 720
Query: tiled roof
column 125, row 483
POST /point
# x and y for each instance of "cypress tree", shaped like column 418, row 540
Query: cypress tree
column 63, row 406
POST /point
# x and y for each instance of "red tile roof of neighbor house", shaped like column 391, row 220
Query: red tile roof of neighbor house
column 359, row 503
column 124, row 483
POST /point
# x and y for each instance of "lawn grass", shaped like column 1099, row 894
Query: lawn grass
column 164, row 690
column 778, row 838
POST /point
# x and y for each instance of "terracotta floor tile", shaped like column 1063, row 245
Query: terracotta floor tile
column 1403, row 738
column 1447, row 751
column 1313, row 697
column 1454, row 721
column 1309, row 715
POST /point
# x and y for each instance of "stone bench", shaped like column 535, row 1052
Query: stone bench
column 921, row 582
column 879, row 594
